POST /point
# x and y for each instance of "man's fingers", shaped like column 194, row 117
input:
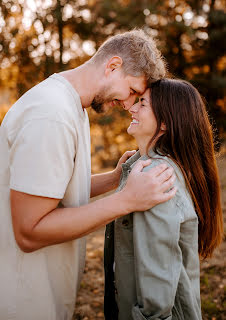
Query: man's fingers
column 166, row 174
column 127, row 155
column 156, row 171
column 168, row 183
column 168, row 195
column 140, row 165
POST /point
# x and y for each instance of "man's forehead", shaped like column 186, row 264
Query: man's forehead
column 139, row 84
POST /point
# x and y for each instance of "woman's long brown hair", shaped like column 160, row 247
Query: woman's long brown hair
column 188, row 141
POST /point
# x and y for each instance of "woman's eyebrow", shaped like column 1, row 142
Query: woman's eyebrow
column 143, row 99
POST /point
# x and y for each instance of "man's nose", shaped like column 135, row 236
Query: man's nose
column 127, row 104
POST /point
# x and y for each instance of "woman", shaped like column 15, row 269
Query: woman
column 152, row 258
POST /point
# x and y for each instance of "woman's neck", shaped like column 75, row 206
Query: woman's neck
column 142, row 149
column 142, row 145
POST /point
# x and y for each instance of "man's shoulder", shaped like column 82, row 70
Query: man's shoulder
column 49, row 92
column 48, row 100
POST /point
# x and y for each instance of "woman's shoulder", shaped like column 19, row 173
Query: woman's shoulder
column 182, row 199
column 157, row 159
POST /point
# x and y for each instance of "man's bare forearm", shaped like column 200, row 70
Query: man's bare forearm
column 65, row 224
column 104, row 182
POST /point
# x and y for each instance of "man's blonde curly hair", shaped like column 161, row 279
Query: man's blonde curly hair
column 139, row 54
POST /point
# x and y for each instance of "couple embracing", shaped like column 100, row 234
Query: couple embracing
column 164, row 217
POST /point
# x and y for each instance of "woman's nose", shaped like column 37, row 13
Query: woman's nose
column 134, row 108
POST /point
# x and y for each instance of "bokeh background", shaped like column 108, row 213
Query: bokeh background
column 40, row 37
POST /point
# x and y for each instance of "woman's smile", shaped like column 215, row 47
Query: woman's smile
column 134, row 121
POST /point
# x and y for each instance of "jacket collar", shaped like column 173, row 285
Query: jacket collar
column 130, row 163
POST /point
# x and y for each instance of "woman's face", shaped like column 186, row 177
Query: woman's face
column 144, row 124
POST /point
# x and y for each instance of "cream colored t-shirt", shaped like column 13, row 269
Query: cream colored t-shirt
column 44, row 151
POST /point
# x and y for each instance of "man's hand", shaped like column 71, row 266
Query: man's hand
column 145, row 190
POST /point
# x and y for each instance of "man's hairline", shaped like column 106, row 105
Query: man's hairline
column 93, row 60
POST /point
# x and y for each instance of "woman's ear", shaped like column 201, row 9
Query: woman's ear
column 163, row 127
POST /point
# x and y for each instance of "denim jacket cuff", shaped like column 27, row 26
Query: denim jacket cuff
column 138, row 315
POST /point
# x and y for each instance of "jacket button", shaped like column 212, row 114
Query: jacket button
column 125, row 222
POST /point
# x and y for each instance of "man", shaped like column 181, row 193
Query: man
column 45, row 177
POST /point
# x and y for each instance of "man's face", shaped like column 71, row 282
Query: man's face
column 118, row 89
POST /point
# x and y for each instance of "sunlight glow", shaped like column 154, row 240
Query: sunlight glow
column 66, row 56
column 172, row 3
column 201, row 21
column 46, row 4
column 188, row 15
column 14, row 8
column 32, row 5
column 146, row 12
column 202, row 35
column 67, row 11
column 26, row 23
column 178, row 18
column 206, row 7
column 89, row 47
column 38, row 26
column 86, row 14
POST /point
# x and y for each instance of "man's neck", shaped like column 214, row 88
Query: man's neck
column 84, row 79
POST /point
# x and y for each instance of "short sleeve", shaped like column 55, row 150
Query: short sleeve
column 42, row 158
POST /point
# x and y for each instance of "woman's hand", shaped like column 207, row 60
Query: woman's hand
column 117, row 171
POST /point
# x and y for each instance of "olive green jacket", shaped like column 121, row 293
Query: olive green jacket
column 155, row 258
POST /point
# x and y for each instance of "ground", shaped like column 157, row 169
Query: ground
column 213, row 274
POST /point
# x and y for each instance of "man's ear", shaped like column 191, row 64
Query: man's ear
column 113, row 64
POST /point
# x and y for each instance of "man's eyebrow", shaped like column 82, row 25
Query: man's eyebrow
column 137, row 91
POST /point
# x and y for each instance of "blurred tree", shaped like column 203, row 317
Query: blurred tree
column 38, row 38
column 209, row 62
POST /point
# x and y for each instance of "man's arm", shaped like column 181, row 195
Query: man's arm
column 37, row 221
column 104, row 182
